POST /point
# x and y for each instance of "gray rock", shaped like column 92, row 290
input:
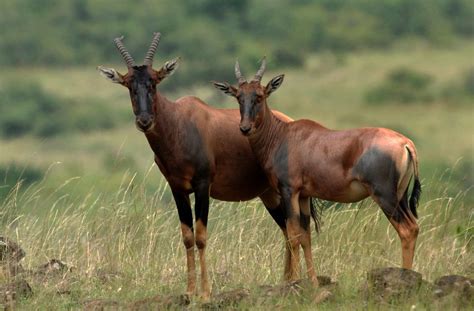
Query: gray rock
column 388, row 284
column 460, row 287
column 10, row 251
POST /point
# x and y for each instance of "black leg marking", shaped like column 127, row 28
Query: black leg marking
column 184, row 208
column 201, row 193
column 278, row 214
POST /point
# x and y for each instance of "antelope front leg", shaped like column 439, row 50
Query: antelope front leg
column 292, row 211
column 305, row 223
column 186, row 218
column 202, row 211
column 271, row 200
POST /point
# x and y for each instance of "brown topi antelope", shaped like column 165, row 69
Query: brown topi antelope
column 198, row 149
column 304, row 159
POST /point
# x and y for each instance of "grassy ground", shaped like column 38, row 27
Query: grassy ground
column 103, row 207
column 126, row 246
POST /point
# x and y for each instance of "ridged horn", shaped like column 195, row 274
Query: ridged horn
column 238, row 74
column 151, row 51
column 123, row 51
column 261, row 71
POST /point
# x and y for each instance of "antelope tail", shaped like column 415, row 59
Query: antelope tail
column 416, row 192
column 316, row 211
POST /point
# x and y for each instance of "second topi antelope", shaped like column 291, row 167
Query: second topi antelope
column 304, row 159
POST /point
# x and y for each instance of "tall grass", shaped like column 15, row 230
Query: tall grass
column 133, row 237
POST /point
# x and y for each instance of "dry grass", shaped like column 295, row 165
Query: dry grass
column 126, row 245
column 103, row 208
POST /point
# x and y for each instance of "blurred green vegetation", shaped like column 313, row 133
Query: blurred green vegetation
column 410, row 59
column 210, row 34
column 26, row 108
column 402, row 85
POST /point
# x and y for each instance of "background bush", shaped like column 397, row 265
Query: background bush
column 210, row 34
column 402, row 85
column 26, row 108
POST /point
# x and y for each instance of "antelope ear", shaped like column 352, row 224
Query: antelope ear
column 274, row 84
column 111, row 74
column 226, row 88
column 168, row 68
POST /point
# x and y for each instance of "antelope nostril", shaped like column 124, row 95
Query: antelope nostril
column 245, row 129
column 145, row 120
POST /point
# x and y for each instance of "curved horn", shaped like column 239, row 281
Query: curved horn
column 238, row 74
column 123, row 51
column 261, row 71
column 151, row 51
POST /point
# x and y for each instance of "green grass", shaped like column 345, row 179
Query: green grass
column 134, row 237
column 101, row 204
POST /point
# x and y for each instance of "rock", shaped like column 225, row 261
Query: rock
column 11, row 292
column 387, row 284
column 456, row 285
column 227, row 299
column 53, row 267
column 10, row 251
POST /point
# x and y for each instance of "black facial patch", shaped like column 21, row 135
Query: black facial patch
column 248, row 105
column 379, row 170
column 141, row 89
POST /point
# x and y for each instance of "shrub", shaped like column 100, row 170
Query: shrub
column 26, row 108
column 402, row 85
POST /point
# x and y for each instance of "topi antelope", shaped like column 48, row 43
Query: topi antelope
column 304, row 159
column 198, row 149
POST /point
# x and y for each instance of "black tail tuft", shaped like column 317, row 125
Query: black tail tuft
column 316, row 211
column 415, row 196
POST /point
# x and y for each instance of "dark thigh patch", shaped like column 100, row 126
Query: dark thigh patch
column 379, row 170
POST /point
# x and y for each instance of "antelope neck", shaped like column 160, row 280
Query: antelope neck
column 165, row 123
column 268, row 137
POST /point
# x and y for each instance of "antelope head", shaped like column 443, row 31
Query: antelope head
column 252, row 96
column 141, row 81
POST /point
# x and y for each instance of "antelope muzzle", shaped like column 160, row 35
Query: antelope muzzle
column 144, row 122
